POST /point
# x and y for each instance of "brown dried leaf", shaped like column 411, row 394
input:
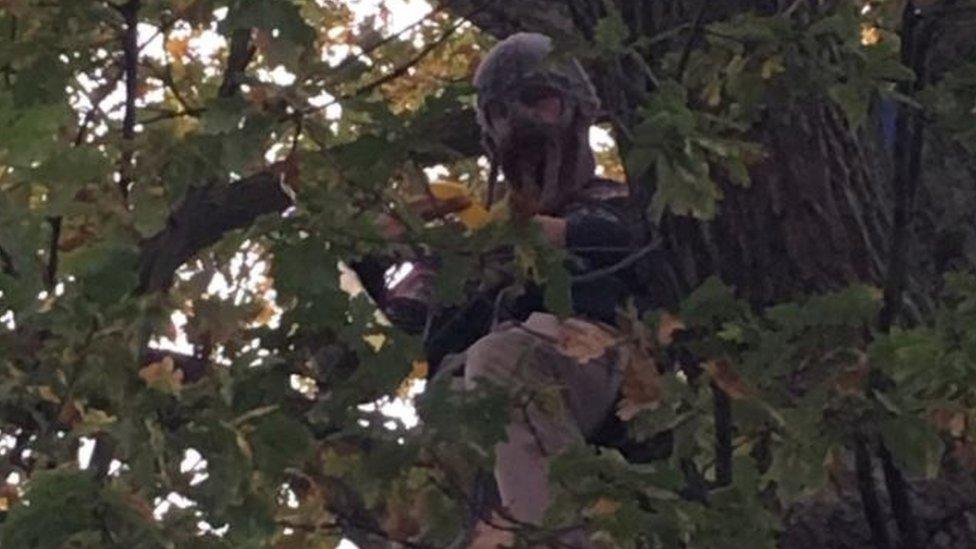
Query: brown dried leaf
column 178, row 47
column 667, row 327
column 9, row 496
column 727, row 378
column 603, row 507
column 163, row 376
column 641, row 386
column 584, row 341
column 852, row 379
column 949, row 420
column 965, row 453
column 70, row 414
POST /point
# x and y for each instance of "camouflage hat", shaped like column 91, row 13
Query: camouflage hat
column 523, row 62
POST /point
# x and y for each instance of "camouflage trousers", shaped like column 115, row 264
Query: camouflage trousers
column 564, row 379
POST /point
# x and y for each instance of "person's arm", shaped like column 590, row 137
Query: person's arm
column 595, row 232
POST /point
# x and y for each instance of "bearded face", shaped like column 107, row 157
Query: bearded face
column 524, row 132
column 535, row 118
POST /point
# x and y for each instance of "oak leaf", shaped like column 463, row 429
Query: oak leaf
column 163, row 376
column 584, row 341
column 602, row 507
column 667, row 327
column 727, row 378
column 641, row 386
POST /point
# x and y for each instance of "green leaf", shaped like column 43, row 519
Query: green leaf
column 223, row 115
column 853, row 98
column 107, row 272
column 916, row 447
column 279, row 442
column 611, row 30
column 287, row 33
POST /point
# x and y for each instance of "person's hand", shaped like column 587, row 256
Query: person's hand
column 553, row 228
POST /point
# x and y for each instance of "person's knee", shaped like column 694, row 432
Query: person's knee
column 497, row 356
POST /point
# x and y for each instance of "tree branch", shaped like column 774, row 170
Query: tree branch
column 7, row 263
column 723, row 436
column 205, row 214
column 130, row 66
column 901, row 505
column 396, row 73
column 869, row 494
column 909, row 140
column 241, row 51
column 51, row 272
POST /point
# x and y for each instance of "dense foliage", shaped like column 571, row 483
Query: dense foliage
column 225, row 160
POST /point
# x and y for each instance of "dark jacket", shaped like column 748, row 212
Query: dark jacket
column 603, row 232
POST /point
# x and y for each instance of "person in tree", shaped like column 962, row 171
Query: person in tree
column 536, row 111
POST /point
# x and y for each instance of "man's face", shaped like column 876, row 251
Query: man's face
column 523, row 128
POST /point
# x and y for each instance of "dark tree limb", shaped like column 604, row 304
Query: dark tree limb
column 869, row 494
column 723, row 436
column 7, row 263
column 901, row 504
column 241, row 52
column 917, row 35
column 130, row 67
column 51, row 272
column 204, row 216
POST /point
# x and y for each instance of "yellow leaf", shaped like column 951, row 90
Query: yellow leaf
column 870, row 34
column 712, row 94
column 93, row 421
column 9, row 495
column 603, row 507
column 375, row 341
column 46, row 393
column 474, row 216
column 772, row 66
column 419, row 371
column 163, row 376
column 265, row 315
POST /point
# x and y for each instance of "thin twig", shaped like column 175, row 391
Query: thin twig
column 95, row 99
column 793, row 7
column 396, row 73
column 384, row 41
